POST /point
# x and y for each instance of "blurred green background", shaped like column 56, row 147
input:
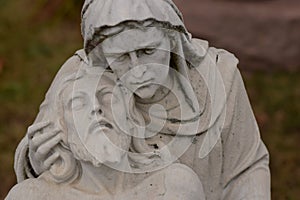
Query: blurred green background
column 37, row 36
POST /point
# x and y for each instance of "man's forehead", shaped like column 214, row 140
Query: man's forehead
column 90, row 84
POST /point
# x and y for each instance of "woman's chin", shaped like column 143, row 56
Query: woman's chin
column 112, row 158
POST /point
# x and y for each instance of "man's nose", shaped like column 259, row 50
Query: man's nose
column 96, row 109
column 137, row 70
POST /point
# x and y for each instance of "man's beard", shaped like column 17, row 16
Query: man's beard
column 117, row 143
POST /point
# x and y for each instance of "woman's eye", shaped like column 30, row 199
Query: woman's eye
column 121, row 58
column 148, row 51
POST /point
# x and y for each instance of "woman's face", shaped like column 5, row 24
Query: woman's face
column 140, row 59
column 87, row 112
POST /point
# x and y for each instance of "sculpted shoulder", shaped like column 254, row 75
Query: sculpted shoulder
column 73, row 62
column 216, row 61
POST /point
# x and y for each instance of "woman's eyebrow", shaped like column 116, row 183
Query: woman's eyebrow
column 114, row 54
column 147, row 44
column 152, row 44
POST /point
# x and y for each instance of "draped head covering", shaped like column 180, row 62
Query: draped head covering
column 100, row 15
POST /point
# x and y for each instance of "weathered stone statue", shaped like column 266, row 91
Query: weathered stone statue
column 143, row 111
column 96, row 148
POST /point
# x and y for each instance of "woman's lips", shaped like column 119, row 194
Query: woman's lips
column 142, row 82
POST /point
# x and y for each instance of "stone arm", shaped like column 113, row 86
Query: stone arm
column 245, row 166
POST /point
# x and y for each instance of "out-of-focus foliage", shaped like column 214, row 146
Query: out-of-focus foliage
column 275, row 100
column 37, row 36
column 34, row 42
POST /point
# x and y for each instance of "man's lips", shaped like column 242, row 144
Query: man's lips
column 100, row 125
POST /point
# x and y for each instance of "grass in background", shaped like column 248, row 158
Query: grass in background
column 275, row 100
column 32, row 48
column 34, row 44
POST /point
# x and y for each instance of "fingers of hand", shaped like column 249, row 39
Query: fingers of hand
column 50, row 160
column 46, row 147
column 32, row 130
column 38, row 140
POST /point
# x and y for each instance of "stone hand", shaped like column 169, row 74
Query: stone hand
column 42, row 140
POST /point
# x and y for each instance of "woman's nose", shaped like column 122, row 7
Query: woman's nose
column 137, row 70
column 133, row 59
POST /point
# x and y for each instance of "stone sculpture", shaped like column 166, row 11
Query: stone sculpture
column 163, row 116
column 95, row 148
